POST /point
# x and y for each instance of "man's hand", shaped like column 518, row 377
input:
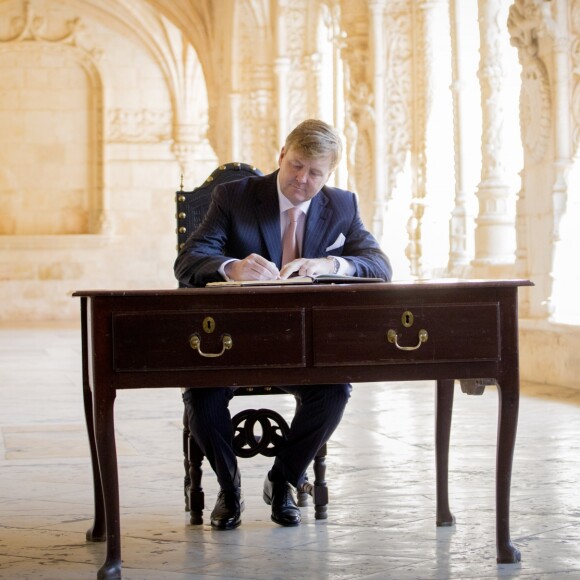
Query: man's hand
column 254, row 267
column 307, row 267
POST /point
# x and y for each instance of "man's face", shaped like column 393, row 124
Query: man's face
column 301, row 178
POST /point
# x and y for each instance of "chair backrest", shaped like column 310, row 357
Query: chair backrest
column 193, row 205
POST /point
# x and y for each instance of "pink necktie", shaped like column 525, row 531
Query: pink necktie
column 289, row 241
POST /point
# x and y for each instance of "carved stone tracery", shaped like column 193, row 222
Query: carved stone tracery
column 525, row 25
column 31, row 26
column 535, row 109
column 398, row 89
column 143, row 126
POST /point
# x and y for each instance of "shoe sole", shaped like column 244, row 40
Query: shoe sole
column 285, row 524
column 225, row 528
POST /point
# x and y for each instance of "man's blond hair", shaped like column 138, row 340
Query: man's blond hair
column 315, row 139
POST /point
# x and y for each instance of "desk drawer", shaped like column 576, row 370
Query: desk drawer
column 152, row 341
column 359, row 335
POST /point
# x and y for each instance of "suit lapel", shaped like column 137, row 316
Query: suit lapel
column 317, row 222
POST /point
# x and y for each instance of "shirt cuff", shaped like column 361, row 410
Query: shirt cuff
column 222, row 269
column 346, row 267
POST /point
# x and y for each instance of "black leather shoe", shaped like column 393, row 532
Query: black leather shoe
column 284, row 509
column 227, row 513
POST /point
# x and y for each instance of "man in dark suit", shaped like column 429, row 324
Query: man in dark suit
column 273, row 227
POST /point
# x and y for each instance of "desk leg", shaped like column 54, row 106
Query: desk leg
column 509, row 397
column 443, row 413
column 104, row 398
column 97, row 532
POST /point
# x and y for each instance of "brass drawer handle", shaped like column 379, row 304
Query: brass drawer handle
column 392, row 337
column 195, row 343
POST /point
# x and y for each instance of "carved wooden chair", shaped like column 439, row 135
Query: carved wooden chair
column 191, row 209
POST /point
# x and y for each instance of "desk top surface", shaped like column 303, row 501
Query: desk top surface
column 441, row 283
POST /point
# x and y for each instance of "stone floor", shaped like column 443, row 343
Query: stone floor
column 381, row 519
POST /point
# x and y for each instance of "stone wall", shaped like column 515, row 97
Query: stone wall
column 88, row 175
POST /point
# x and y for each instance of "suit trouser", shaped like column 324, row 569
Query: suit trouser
column 318, row 413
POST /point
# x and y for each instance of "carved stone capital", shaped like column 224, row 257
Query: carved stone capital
column 525, row 25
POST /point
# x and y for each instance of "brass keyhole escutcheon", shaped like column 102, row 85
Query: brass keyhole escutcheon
column 208, row 324
column 407, row 319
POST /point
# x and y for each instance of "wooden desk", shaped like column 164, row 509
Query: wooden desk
column 442, row 330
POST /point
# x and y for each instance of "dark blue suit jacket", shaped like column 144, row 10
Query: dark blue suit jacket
column 244, row 219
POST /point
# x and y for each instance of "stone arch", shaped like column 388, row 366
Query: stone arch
column 52, row 182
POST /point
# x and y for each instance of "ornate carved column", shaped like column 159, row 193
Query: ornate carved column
column 494, row 234
column 460, row 224
column 430, row 140
column 184, row 133
column 377, row 8
column 183, row 147
column 563, row 140
column 190, row 121
column 253, row 77
column 546, row 145
column 414, row 249
column 299, row 18
column 262, row 144
column 358, row 105
column 338, row 114
column 282, row 68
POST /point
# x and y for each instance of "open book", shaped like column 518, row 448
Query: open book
column 322, row 279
